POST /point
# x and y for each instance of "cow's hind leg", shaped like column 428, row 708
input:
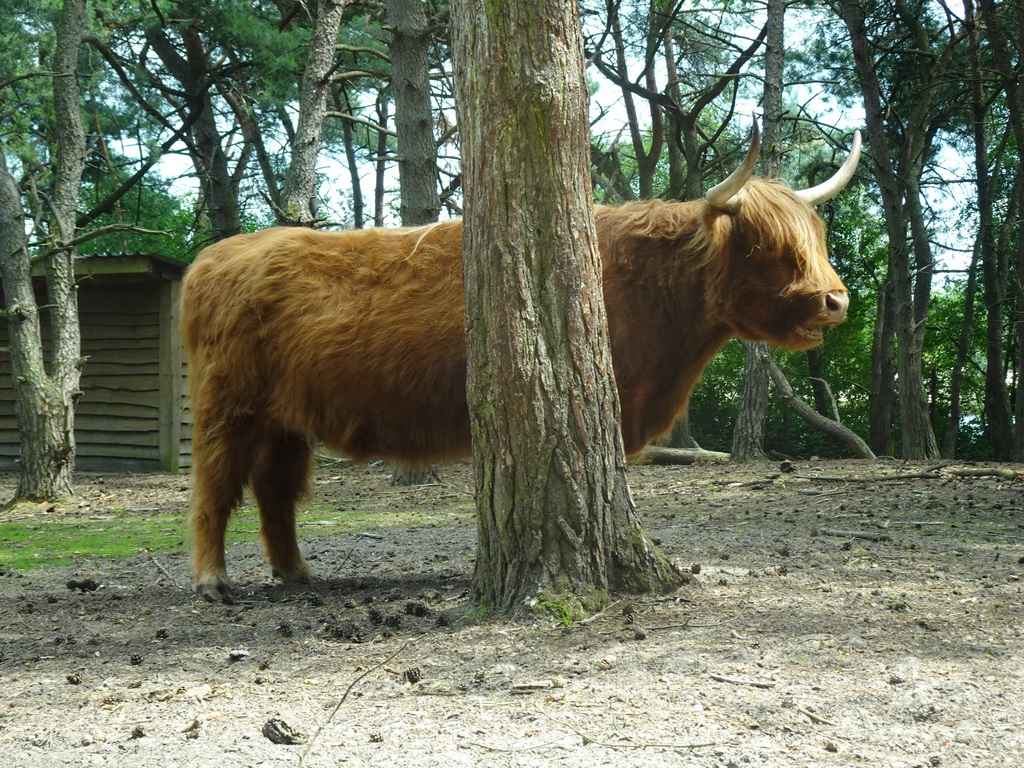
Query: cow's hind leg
column 279, row 477
column 221, row 459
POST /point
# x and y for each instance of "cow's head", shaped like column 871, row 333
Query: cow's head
column 774, row 281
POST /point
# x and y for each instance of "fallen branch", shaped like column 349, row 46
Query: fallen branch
column 930, row 473
column 839, row 432
column 657, row 455
column 1007, row 474
column 851, row 534
column 739, row 681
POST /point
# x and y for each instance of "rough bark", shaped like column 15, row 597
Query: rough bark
column 299, row 192
column 555, row 517
column 883, row 372
column 42, row 458
column 414, row 119
column 998, row 419
column 682, row 436
column 1003, row 53
column 963, row 350
column 748, row 432
column 419, row 201
column 45, row 402
column 380, row 182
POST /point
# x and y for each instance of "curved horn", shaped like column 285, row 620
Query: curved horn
column 722, row 195
column 829, row 189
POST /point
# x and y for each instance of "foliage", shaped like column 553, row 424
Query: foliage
column 136, row 112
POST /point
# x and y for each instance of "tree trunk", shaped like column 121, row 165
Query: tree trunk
column 900, row 204
column 46, row 455
column 681, row 436
column 62, row 292
column 414, row 118
column 918, row 435
column 952, row 433
column 835, row 430
column 420, row 202
column 353, row 174
column 748, row 432
column 299, row 192
column 45, row 403
column 219, row 187
column 555, row 517
column 823, row 400
column 999, row 422
column 883, row 373
column 380, row 182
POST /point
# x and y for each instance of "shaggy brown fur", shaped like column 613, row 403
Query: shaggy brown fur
column 356, row 339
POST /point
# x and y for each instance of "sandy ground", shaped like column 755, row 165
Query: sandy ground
column 848, row 613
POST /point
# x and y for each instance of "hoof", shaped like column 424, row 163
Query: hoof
column 219, row 591
column 297, row 576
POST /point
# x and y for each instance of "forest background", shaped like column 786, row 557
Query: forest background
column 202, row 120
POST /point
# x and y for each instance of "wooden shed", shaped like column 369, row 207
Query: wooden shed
column 133, row 415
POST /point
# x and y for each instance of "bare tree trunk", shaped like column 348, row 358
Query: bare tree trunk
column 647, row 136
column 900, row 203
column 681, row 436
column 353, row 174
column 835, row 430
column 299, row 192
column 949, row 438
column 556, row 520
column 883, row 373
column 44, row 448
column 999, row 420
column 420, row 202
column 819, row 387
column 918, row 434
column 748, row 432
column 219, row 187
column 381, row 163
column 45, row 403
column 414, row 118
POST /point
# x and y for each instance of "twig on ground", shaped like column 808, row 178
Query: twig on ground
column 330, row 717
column 816, row 718
column 739, row 681
column 163, row 569
column 507, row 750
column 851, row 534
column 587, row 739
column 596, row 616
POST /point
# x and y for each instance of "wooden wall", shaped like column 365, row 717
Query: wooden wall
column 133, row 412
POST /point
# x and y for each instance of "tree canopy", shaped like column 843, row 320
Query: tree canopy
column 192, row 115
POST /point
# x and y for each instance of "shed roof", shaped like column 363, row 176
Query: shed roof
column 125, row 265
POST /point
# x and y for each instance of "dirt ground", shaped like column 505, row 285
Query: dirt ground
column 845, row 613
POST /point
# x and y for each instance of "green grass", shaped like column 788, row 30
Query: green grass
column 41, row 543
